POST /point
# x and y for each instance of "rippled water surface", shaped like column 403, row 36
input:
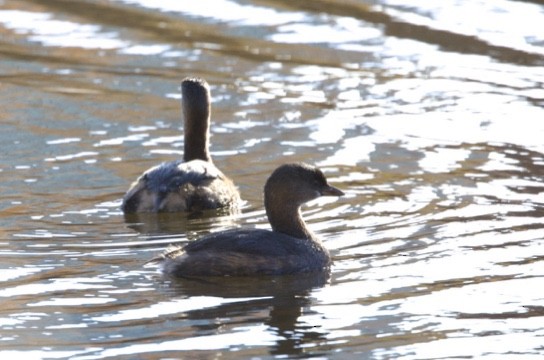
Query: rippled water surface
column 428, row 115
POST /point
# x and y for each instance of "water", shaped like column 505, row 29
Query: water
column 428, row 116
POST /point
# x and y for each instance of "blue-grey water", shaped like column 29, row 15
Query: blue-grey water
column 429, row 115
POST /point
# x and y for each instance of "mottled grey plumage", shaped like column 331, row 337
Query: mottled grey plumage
column 169, row 176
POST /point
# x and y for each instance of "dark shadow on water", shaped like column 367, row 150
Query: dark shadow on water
column 528, row 311
column 279, row 303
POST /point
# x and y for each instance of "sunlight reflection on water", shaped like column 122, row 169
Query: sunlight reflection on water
column 42, row 28
column 426, row 115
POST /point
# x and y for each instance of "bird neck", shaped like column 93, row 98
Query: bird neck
column 196, row 124
column 287, row 219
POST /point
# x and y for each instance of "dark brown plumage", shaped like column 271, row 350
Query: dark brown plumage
column 289, row 248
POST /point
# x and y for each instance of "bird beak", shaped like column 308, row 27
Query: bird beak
column 331, row 191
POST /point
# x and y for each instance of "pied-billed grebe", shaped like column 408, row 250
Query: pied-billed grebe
column 289, row 248
column 192, row 184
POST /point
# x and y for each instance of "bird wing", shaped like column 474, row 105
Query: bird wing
column 169, row 176
column 248, row 241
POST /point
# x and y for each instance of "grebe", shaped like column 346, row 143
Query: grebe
column 193, row 184
column 289, row 248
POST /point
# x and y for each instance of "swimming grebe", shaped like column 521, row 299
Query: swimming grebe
column 289, row 248
column 192, row 184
